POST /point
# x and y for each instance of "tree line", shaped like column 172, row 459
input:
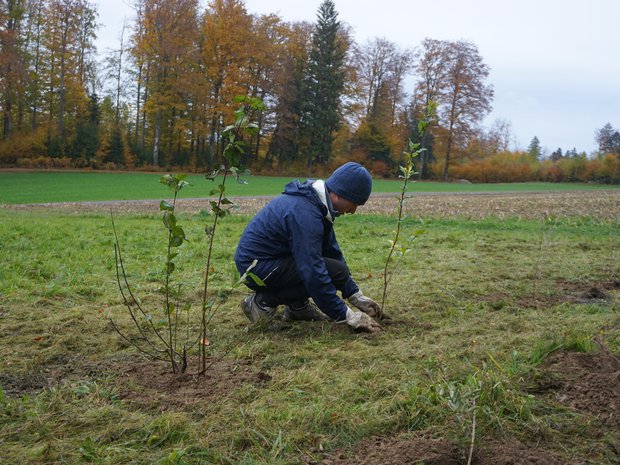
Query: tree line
column 163, row 97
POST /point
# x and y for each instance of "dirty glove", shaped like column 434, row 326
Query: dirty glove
column 366, row 304
column 361, row 321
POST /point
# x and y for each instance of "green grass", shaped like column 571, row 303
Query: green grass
column 18, row 187
column 467, row 329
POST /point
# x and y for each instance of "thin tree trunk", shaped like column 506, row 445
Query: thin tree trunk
column 35, row 101
column 9, row 49
column 212, row 143
column 62, row 90
column 143, row 129
column 138, row 104
column 118, row 79
column 448, row 149
column 156, row 138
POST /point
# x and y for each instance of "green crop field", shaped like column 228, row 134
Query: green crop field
column 504, row 335
column 19, row 187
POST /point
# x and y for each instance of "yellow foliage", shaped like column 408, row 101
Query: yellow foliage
column 23, row 146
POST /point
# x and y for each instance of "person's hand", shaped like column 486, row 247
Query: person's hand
column 366, row 304
column 362, row 322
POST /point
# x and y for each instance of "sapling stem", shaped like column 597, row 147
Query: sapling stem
column 216, row 216
column 171, row 329
column 473, row 434
column 414, row 149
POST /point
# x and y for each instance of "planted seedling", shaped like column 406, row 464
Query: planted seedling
column 397, row 250
column 170, row 335
column 235, row 147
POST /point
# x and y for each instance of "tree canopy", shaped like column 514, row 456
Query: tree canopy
column 164, row 95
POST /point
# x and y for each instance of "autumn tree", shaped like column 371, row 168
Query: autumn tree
column 11, row 59
column 465, row 98
column 431, row 69
column 225, row 55
column 47, row 62
column 34, row 56
column 490, row 141
column 323, row 85
column 381, row 68
column 68, row 40
column 164, row 43
column 290, row 69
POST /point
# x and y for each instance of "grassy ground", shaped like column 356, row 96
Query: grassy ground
column 18, row 187
column 476, row 306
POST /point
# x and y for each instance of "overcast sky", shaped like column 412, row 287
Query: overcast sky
column 555, row 64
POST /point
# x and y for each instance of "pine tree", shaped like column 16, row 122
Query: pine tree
column 116, row 150
column 323, row 85
column 608, row 139
column 534, row 149
column 86, row 141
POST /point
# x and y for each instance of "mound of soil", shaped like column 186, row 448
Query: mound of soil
column 382, row 451
column 596, row 292
column 588, row 383
column 155, row 387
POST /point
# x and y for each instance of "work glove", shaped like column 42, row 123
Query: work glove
column 366, row 304
column 361, row 322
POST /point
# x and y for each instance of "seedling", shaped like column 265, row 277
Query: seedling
column 172, row 336
column 235, row 147
column 407, row 171
column 159, row 339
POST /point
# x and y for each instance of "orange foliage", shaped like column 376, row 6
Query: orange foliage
column 22, row 146
column 519, row 167
column 380, row 168
column 502, row 167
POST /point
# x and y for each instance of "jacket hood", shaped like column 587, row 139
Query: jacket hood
column 301, row 188
column 311, row 189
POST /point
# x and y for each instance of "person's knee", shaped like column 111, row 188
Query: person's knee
column 338, row 271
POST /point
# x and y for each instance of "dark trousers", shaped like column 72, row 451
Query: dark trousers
column 283, row 286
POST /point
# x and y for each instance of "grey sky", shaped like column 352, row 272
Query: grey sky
column 554, row 64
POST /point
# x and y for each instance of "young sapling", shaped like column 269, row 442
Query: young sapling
column 414, row 149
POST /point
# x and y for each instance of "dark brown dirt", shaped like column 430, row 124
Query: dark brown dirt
column 570, row 292
column 60, row 370
column 383, row 451
column 586, row 382
column 142, row 383
column 155, row 387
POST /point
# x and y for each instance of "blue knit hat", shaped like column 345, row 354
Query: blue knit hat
column 351, row 181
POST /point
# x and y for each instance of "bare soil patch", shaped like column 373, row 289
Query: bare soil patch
column 154, row 387
column 142, row 383
column 61, row 370
column 427, row 451
column 600, row 204
column 586, row 382
column 598, row 292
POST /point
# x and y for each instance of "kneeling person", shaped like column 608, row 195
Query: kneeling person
column 297, row 255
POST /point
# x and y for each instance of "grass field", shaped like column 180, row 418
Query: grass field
column 17, row 187
column 486, row 316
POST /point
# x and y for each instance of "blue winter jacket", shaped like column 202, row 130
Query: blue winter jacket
column 296, row 224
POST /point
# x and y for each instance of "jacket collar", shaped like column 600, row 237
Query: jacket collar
column 321, row 191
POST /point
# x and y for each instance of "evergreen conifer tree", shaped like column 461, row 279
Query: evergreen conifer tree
column 323, row 86
column 534, row 149
column 86, row 141
column 116, row 150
